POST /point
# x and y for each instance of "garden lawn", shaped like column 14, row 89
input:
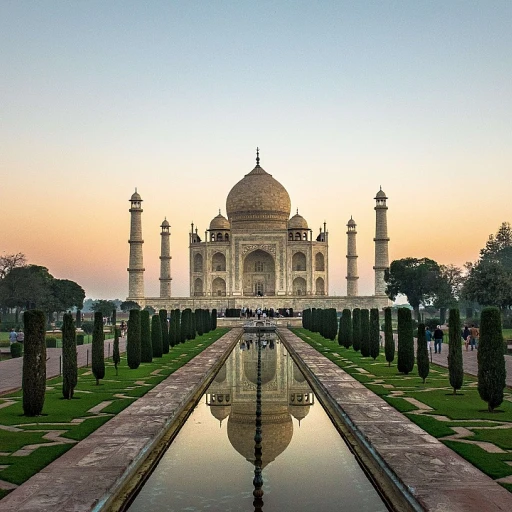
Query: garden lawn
column 29, row 444
column 448, row 411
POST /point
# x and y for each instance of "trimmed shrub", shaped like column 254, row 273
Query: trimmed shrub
column 177, row 322
column 365, row 332
column 374, row 333
column 69, row 363
column 214, row 319
column 405, row 362
column 133, row 340
column 198, row 314
column 34, row 362
column 356, row 329
column 146, row 349
column 156, row 335
column 389, row 342
column 51, row 342
column 491, row 360
column 98, row 348
column 78, row 321
column 80, row 339
column 422, row 353
column 345, row 332
column 455, row 366
column 16, row 350
column 165, row 331
column 173, row 335
column 116, row 356
column 113, row 319
column 185, row 324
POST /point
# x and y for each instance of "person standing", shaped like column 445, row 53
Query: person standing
column 466, row 336
column 474, row 333
column 438, row 339
column 428, row 337
column 12, row 336
column 20, row 337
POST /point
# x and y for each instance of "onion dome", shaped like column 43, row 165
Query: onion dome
column 165, row 224
column 258, row 201
column 135, row 196
column 297, row 222
column 351, row 222
column 381, row 194
column 219, row 222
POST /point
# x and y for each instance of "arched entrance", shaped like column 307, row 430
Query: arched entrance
column 259, row 276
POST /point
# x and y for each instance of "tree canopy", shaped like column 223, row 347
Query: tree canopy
column 129, row 304
column 105, row 307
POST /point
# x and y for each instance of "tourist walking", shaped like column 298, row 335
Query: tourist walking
column 475, row 333
column 466, row 336
column 438, row 339
column 20, row 337
column 428, row 337
column 12, row 336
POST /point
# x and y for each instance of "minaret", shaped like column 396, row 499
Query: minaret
column 381, row 243
column 165, row 261
column 352, row 277
column 136, row 266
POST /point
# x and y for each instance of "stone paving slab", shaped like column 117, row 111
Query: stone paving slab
column 87, row 476
column 435, row 477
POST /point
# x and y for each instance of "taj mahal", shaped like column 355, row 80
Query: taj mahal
column 258, row 255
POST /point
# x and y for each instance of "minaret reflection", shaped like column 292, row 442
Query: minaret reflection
column 285, row 394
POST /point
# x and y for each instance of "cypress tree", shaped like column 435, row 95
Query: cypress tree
column 314, row 320
column 491, row 359
column 345, row 332
column 185, row 324
column 116, row 356
column 192, row 331
column 156, row 335
column 178, row 326
column 199, row 322
column 113, row 320
column 356, row 329
column 34, row 362
column 173, row 335
column 133, row 347
column 455, row 366
column 78, row 321
column 365, row 332
column 214, row 319
column 165, row 331
column 69, row 363
column 389, row 342
column 98, row 347
column 374, row 333
column 422, row 353
column 405, row 362
column 146, row 349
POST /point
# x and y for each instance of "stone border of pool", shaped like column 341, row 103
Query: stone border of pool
column 413, row 469
column 94, row 473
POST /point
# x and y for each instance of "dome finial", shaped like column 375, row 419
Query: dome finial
column 297, row 211
column 257, row 156
column 219, row 211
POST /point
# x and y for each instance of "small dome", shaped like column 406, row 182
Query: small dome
column 381, row 194
column 297, row 222
column 135, row 196
column 165, row 224
column 351, row 222
column 219, row 222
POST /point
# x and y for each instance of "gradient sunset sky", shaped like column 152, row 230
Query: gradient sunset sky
column 342, row 97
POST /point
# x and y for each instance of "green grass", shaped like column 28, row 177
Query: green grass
column 59, row 413
column 465, row 409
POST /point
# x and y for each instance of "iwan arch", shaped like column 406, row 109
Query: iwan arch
column 258, row 255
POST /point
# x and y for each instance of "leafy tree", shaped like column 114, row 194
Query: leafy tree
column 496, row 243
column 405, row 362
column 98, row 348
column 374, row 333
column 448, row 293
column 365, row 332
column 156, row 335
column 165, row 331
column 10, row 261
column 128, row 305
column 356, row 329
column 116, row 356
column 104, row 307
column 389, row 342
column 66, row 295
column 422, row 353
column 491, row 360
column 69, row 362
column 34, row 363
column 417, row 279
column 146, row 349
column 455, row 366
column 133, row 344
column 345, row 332
column 150, row 309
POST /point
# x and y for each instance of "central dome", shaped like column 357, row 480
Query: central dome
column 258, row 201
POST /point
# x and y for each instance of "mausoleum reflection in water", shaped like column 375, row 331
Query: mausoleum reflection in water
column 305, row 462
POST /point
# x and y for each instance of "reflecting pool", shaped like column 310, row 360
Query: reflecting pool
column 306, row 464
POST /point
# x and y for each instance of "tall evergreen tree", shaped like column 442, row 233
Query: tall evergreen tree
column 178, row 326
column 374, row 333
column 345, row 332
column 133, row 347
column 78, row 321
column 34, row 362
column 199, row 322
column 165, row 331
column 405, row 362
column 192, row 331
column 356, row 329
column 214, row 319
column 314, row 320
column 491, row 360
column 455, row 365
column 365, row 332
column 113, row 318
column 156, row 335
column 389, row 341
column 98, row 347
column 173, row 335
column 116, row 355
column 422, row 353
column 146, row 349
column 69, row 363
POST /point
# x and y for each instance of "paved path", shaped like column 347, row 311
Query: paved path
column 11, row 369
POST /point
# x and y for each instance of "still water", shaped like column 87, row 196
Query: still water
column 306, row 464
